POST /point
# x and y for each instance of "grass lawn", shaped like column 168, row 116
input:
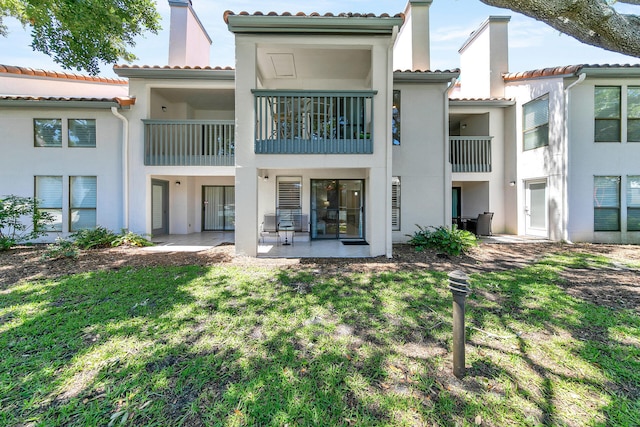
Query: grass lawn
column 234, row 346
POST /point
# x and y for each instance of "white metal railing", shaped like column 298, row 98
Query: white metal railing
column 189, row 143
column 470, row 153
column 313, row 122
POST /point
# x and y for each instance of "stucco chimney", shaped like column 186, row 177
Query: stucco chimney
column 484, row 58
column 412, row 48
column 189, row 43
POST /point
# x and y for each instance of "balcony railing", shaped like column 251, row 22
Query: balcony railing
column 313, row 122
column 470, row 153
column 189, row 143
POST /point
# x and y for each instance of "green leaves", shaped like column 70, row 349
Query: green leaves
column 451, row 241
column 82, row 34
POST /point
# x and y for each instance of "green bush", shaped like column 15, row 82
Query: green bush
column 21, row 220
column 129, row 238
column 99, row 237
column 451, row 241
column 62, row 248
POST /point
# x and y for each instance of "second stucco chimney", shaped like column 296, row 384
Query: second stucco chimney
column 484, row 59
column 189, row 43
column 412, row 48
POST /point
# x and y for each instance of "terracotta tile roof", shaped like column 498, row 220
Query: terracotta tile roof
column 175, row 67
column 560, row 71
column 122, row 101
column 313, row 14
column 58, row 75
column 482, row 99
column 455, row 70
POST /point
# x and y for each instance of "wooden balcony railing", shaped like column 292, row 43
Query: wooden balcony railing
column 189, row 143
column 313, row 122
column 470, row 153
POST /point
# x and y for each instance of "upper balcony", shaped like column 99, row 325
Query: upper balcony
column 313, row 122
column 470, row 153
column 189, row 143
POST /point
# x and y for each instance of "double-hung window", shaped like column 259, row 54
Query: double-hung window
column 633, row 203
column 633, row 114
column 82, row 202
column 536, row 123
column 606, row 203
column 289, row 200
column 395, row 203
column 48, row 191
column 607, row 113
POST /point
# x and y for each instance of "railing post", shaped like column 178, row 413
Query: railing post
column 459, row 287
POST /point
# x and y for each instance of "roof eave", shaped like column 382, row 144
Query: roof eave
column 48, row 103
column 481, row 102
column 172, row 73
column 610, row 72
column 260, row 24
column 424, row 77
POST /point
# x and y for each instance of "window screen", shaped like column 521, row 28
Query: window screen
column 47, row 132
column 82, row 133
column 395, row 203
column 606, row 203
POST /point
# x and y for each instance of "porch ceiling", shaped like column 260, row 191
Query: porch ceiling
column 304, row 63
column 201, row 99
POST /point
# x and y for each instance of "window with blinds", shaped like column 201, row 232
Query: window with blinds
column 606, row 203
column 536, row 123
column 48, row 191
column 82, row 132
column 633, row 114
column 289, row 197
column 607, row 113
column 82, row 202
column 633, row 203
column 395, row 203
column 47, row 132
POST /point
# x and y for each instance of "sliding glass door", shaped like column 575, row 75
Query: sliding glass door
column 337, row 208
column 219, row 209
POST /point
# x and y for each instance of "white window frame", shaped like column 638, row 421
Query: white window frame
column 40, row 140
column 604, row 202
column 54, row 209
column 81, row 205
column 537, row 126
column 633, row 201
column 71, row 137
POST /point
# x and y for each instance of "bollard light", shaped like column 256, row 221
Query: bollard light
column 459, row 287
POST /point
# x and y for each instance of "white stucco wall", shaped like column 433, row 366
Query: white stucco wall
column 420, row 159
column 24, row 85
column 588, row 159
column 20, row 161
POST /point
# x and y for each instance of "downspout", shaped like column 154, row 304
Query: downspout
column 388, row 235
column 447, row 148
column 125, row 164
column 565, row 160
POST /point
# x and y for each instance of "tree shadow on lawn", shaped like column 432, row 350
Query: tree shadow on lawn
column 573, row 357
column 224, row 346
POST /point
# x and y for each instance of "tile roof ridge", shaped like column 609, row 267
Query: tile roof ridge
column 27, row 71
column 174, row 67
column 559, row 71
column 228, row 13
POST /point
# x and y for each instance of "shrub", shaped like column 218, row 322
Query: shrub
column 62, row 248
column 21, row 220
column 130, row 238
column 99, row 237
column 451, row 241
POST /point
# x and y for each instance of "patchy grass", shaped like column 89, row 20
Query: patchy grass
column 236, row 346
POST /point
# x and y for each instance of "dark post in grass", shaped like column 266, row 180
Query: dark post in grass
column 459, row 286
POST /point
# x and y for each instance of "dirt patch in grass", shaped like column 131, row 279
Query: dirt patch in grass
column 615, row 286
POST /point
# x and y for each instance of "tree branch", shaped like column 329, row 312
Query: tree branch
column 594, row 22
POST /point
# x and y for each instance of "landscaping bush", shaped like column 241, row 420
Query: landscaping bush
column 99, row 237
column 62, row 248
column 21, row 220
column 451, row 241
column 130, row 238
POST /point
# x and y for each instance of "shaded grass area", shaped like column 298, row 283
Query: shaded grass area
column 235, row 346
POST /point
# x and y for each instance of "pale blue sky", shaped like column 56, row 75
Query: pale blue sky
column 532, row 44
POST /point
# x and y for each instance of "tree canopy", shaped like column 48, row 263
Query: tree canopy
column 594, row 22
column 82, row 33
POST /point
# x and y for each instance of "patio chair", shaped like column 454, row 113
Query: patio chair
column 483, row 224
column 269, row 227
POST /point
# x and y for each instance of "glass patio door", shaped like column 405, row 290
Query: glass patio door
column 337, row 209
column 218, row 208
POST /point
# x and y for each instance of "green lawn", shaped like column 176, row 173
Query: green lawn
column 236, row 346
